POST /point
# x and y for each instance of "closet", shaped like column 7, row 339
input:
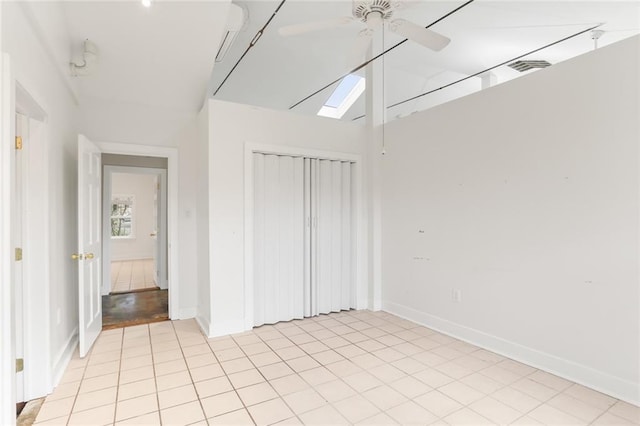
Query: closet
column 304, row 237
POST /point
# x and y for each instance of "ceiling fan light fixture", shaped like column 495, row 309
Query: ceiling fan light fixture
column 362, row 9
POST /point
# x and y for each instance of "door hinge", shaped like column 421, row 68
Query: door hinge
column 18, row 253
column 19, row 365
column 18, row 142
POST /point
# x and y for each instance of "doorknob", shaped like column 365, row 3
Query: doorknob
column 76, row 256
column 88, row 256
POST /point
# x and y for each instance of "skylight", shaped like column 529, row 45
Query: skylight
column 345, row 95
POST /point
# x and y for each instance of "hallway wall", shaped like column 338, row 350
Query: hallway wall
column 34, row 51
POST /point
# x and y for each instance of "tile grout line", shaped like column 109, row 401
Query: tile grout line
column 305, row 331
column 193, row 383
column 115, row 408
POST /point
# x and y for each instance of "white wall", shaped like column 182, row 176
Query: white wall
column 202, row 185
column 525, row 197
column 34, row 66
column 231, row 126
column 143, row 189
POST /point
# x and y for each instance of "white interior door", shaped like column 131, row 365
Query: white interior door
column 89, row 243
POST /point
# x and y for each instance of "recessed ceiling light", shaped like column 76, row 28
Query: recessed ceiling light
column 146, row 3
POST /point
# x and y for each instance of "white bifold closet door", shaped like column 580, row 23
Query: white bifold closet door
column 304, row 245
column 279, row 225
column 332, row 272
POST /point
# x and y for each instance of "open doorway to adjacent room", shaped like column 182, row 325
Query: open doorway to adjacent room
column 134, row 284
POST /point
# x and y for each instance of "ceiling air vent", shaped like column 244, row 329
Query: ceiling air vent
column 523, row 66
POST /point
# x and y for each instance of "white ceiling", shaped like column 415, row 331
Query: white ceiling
column 160, row 56
column 280, row 71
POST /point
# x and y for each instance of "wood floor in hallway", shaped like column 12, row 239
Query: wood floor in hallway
column 127, row 309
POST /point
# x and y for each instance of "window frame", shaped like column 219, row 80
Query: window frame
column 132, row 199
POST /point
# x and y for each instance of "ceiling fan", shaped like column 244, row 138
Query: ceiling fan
column 375, row 14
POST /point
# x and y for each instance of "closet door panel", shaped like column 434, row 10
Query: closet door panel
column 259, row 239
column 297, row 296
column 278, row 238
column 337, row 235
column 308, row 215
column 324, row 237
column 272, row 240
column 347, row 279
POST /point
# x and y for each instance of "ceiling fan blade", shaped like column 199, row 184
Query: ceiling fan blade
column 420, row 35
column 359, row 48
column 307, row 27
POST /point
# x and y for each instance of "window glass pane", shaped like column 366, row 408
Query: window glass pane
column 122, row 216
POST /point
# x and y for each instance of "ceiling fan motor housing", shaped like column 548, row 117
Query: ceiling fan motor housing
column 363, row 8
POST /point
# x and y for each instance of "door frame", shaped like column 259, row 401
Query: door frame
column 171, row 154
column 361, row 288
column 7, row 331
column 37, row 377
column 108, row 171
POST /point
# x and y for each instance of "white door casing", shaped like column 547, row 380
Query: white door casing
column 22, row 128
column 89, row 243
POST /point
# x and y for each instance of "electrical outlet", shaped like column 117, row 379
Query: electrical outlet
column 456, row 295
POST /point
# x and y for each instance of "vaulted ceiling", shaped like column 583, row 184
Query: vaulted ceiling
column 279, row 72
column 156, row 65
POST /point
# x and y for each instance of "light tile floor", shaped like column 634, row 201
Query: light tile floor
column 127, row 275
column 356, row 367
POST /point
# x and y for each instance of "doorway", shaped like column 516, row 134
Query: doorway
column 135, row 279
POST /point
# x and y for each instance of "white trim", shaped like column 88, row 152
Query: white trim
column 188, row 313
column 63, row 357
column 7, row 337
column 617, row 387
column 223, row 328
column 36, row 268
column 172, row 208
column 250, row 148
column 204, row 324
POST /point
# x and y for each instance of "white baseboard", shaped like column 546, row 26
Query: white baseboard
column 227, row 327
column 617, row 387
column 63, row 357
column 204, row 324
column 187, row 313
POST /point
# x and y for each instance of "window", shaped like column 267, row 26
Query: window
column 122, row 216
column 345, row 95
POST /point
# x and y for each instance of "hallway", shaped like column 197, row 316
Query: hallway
column 355, row 367
column 132, row 275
